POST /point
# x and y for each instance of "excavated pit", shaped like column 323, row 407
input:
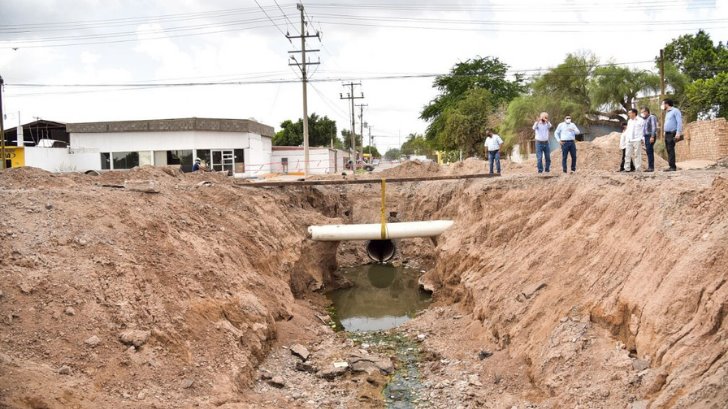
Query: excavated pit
column 593, row 290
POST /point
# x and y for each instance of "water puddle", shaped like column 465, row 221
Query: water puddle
column 381, row 298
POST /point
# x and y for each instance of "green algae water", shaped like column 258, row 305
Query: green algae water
column 382, row 297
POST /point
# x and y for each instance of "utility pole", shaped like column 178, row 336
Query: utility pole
column 662, row 93
column 370, row 140
column 362, row 124
column 350, row 95
column 2, row 126
column 304, row 79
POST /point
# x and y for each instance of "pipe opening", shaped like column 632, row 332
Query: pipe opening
column 381, row 250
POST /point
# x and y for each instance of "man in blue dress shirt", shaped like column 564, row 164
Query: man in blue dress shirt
column 673, row 131
column 566, row 135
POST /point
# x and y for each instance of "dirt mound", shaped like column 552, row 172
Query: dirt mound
column 470, row 166
column 413, row 168
column 586, row 281
column 610, row 141
column 114, row 298
column 30, row 177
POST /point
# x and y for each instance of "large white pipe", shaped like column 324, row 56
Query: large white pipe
column 405, row 230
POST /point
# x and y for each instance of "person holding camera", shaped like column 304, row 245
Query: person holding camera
column 541, row 128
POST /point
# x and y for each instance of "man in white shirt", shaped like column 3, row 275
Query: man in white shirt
column 566, row 135
column 634, row 135
column 493, row 144
column 541, row 128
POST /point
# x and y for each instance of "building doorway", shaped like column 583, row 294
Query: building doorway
column 223, row 161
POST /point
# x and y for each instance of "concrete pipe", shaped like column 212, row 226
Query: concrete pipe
column 380, row 246
column 405, row 230
column 381, row 251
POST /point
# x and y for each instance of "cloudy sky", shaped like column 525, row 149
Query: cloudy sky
column 229, row 59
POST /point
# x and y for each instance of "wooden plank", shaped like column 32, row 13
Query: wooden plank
column 362, row 181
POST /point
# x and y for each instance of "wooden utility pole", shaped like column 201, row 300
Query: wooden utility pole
column 304, row 80
column 662, row 93
column 350, row 95
column 2, row 126
column 362, row 124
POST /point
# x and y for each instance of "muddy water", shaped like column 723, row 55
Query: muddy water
column 381, row 298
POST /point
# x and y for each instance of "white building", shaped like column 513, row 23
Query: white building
column 240, row 146
column 290, row 160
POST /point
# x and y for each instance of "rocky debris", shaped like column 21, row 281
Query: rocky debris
column 26, row 288
column 366, row 362
column 277, row 382
column 187, row 383
column 49, row 206
column 305, row 367
column 92, row 341
column 144, row 186
column 484, row 354
column 421, row 337
column 530, row 291
column 64, row 370
column 134, row 337
column 641, row 404
column 265, row 375
column 69, row 311
column 334, row 371
column 300, row 351
column 640, row 365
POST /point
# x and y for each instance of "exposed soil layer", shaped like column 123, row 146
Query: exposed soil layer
column 594, row 290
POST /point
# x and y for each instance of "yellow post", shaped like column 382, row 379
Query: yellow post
column 384, row 209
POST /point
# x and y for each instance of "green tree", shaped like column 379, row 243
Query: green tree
column 320, row 132
column 697, row 56
column 709, row 97
column 417, row 145
column 392, row 154
column 466, row 122
column 485, row 73
column 613, row 89
column 346, row 138
column 373, row 151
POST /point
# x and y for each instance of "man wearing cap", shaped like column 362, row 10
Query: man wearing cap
column 541, row 127
column 196, row 166
column 566, row 135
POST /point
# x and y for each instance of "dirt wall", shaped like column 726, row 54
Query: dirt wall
column 115, row 298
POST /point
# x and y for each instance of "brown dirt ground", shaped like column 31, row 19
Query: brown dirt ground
column 598, row 289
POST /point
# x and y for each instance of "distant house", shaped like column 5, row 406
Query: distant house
column 240, row 146
column 290, row 160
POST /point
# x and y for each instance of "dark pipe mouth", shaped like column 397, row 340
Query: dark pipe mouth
column 381, row 251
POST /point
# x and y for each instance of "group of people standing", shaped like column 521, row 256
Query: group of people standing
column 640, row 128
column 565, row 134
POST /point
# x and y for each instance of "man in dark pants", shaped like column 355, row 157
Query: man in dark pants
column 673, row 131
column 566, row 135
column 650, row 131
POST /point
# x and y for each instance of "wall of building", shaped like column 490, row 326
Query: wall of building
column 707, row 140
column 257, row 147
column 320, row 160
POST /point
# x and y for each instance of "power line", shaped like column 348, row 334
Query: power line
column 286, row 16
column 271, row 20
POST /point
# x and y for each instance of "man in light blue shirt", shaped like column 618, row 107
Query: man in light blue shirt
column 566, row 135
column 673, row 131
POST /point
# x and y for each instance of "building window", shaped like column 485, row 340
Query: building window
column 182, row 158
column 204, row 155
column 125, row 160
column 105, row 161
